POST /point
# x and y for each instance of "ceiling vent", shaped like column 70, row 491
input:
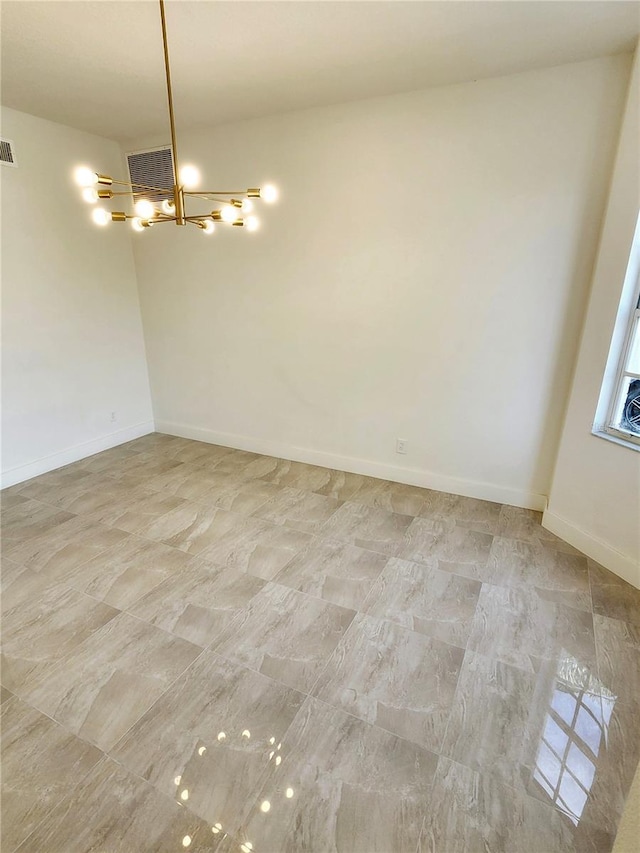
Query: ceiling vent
column 7, row 153
column 152, row 168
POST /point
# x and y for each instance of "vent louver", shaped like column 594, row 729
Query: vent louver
column 152, row 168
column 7, row 153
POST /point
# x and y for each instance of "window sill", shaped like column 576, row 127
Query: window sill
column 615, row 438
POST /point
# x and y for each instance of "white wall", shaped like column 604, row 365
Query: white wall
column 72, row 344
column 595, row 497
column 424, row 277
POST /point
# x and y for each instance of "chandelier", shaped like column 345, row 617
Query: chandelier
column 155, row 205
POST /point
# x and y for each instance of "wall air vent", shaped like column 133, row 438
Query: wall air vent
column 7, row 153
column 152, row 168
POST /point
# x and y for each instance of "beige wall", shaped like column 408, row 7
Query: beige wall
column 595, row 497
column 424, row 277
column 72, row 345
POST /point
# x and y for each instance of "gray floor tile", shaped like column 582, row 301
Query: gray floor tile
column 197, row 602
column 99, row 689
column 66, row 546
column 368, row 527
column 421, row 597
column 398, row 679
column 521, row 626
column 285, row 634
column 255, row 546
column 342, row 785
column 336, row 571
column 41, row 764
column 207, row 741
column 473, row 812
column 121, row 575
column 304, row 511
column 114, row 810
column 612, row 596
column 618, row 645
column 563, row 576
column 41, row 626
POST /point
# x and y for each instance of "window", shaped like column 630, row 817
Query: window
column 618, row 411
column 624, row 412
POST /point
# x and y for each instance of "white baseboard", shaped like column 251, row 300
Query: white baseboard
column 73, row 454
column 617, row 562
column 410, row 476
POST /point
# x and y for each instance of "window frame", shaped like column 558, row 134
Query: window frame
column 633, row 329
column 619, row 351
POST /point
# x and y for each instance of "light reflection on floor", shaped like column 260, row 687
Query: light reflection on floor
column 573, row 731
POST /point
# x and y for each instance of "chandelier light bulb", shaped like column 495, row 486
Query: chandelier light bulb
column 189, row 177
column 168, row 207
column 144, row 208
column 208, row 227
column 85, row 177
column 101, row 216
column 90, row 195
column 229, row 213
column 136, row 224
column 252, row 223
column 247, row 205
column 269, row 193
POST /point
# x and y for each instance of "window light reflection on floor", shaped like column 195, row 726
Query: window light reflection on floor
column 572, row 736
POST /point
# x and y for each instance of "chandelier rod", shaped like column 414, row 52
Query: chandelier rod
column 169, row 94
column 207, row 194
column 144, row 186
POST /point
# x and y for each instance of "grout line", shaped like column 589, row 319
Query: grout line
column 453, row 700
column 598, row 652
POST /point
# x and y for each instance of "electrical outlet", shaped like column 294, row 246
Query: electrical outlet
column 401, row 445
column 113, row 417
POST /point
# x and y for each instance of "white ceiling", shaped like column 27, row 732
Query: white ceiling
column 97, row 64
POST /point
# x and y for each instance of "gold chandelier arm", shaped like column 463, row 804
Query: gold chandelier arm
column 140, row 192
column 203, row 196
column 210, row 198
column 122, row 217
column 206, row 193
column 144, row 186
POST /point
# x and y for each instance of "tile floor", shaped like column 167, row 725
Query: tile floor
column 210, row 650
